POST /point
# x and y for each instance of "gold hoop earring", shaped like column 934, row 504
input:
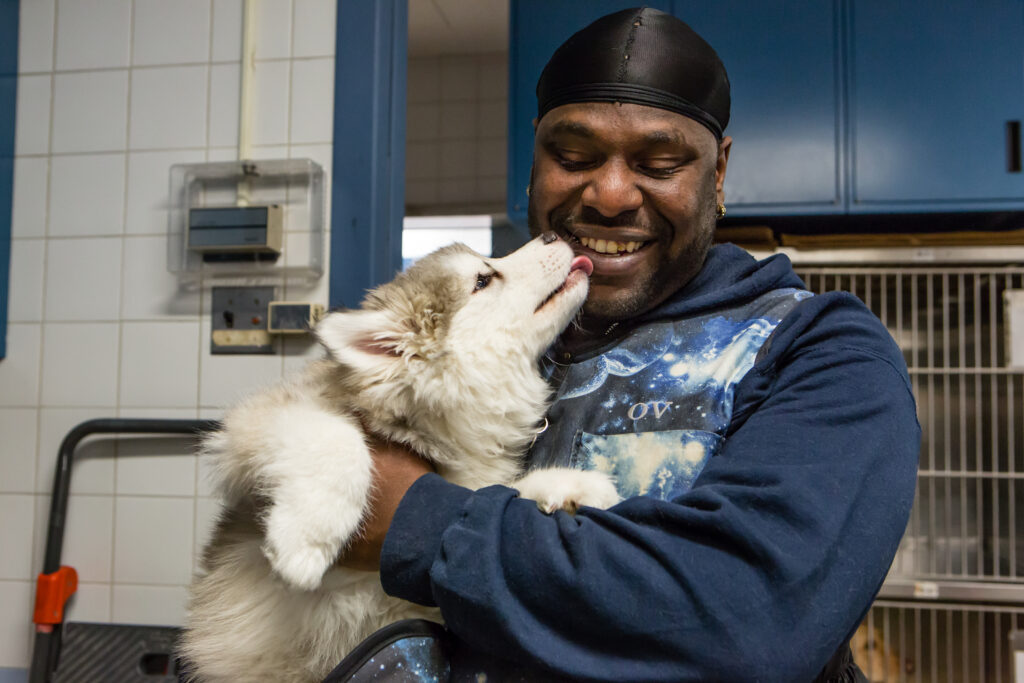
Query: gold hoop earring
column 528, row 188
column 720, row 211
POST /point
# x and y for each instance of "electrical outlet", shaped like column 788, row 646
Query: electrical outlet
column 239, row 320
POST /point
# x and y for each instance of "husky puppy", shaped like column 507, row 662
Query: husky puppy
column 443, row 359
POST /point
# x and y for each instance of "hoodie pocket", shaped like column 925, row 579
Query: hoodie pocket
column 660, row 464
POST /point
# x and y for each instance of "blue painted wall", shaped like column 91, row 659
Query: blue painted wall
column 8, row 99
column 368, row 195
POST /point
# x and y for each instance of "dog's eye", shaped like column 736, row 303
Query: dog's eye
column 482, row 281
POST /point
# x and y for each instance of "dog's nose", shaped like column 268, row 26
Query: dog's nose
column 548, row 237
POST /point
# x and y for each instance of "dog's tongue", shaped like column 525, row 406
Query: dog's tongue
column 582, row 263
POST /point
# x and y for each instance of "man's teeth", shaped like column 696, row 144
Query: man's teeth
column 610, row 246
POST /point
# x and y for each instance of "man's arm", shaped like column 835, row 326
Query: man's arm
column 395, row 468
column 758, row 572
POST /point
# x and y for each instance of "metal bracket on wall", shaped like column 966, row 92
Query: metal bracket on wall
column 239, row 320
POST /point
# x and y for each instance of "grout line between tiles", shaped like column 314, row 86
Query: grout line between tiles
column 143, row 67
column 120, row 307
column 145, row 150
column 199, row 327
column 288, row 140
column 46, row 233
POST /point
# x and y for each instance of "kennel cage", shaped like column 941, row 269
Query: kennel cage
column 954, row 597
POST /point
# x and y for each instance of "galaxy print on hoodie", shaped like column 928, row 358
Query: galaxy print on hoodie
column 654, row 408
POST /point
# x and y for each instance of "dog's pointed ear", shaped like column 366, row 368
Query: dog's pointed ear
column 358, row 338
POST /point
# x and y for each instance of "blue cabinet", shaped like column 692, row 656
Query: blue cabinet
column 839, row 106
column 783, row 62
column 932, row 86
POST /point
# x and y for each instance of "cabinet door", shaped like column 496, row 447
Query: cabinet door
column 538, row 27
column 783, row 61
column 932, row 87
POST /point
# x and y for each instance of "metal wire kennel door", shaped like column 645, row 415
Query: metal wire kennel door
column 956, row 589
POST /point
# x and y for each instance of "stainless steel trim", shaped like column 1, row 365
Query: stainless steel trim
column 923, row 591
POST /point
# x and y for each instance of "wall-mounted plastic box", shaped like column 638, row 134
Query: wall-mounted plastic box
column 296, row 186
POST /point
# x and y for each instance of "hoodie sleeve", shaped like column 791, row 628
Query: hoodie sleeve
column 759, row 572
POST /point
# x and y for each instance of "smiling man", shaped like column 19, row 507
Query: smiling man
column 764, row 440
column 634, row 188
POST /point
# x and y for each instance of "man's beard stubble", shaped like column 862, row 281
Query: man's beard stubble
column 664, row 280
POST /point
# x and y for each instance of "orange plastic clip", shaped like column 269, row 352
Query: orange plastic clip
column 52, row 592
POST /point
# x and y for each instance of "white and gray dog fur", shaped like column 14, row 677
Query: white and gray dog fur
column 442, row 359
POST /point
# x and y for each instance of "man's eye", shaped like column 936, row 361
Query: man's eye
column 573, row 161
column 482, row 281
column 569, row 165
column 660, row 171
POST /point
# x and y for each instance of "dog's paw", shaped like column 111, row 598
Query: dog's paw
column 567, row 489
column 301, row 565
column 302, row 543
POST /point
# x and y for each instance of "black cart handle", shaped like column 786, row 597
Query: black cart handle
column 47, row 641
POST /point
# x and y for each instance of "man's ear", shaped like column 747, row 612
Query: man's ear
column 361, row 339
column 724, row 147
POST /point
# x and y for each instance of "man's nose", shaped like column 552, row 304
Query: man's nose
column 612, row 189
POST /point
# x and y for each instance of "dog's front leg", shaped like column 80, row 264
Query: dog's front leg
column 319, row 481
column 564, row 488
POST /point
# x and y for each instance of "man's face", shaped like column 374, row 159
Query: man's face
column 635, row 189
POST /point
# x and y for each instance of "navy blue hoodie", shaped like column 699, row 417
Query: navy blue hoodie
column 766, row 443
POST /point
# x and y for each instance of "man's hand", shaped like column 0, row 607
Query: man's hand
column 395, row 468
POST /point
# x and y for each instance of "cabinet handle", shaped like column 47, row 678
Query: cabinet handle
column 1013, row 146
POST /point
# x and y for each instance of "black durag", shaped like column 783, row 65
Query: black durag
column 640, row 56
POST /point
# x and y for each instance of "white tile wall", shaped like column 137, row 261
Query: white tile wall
column 21, row 508
column 171, row 32
column 169, row 107
column 153, row 540
column 25, row 295
column 93, row 34
column 19, row 373
column 90, row 111
column 225, row 89
column 90, row 603
column 146, row 209
column 150, row 291
column 456, row 125
column 83, row 282
column 87, row 195
column 111, row 93
column 157, row 605
column 16, row 629
column 18, row 450
column 159, row 364
column 226, row 44
column 274, row 29
column 32, row 115
column 35, row 46
column 30, row 183
column 271, row 126
column 312, row 113
column 80, row 364
column 88, row 536
column 156, row 466
column 314, row 28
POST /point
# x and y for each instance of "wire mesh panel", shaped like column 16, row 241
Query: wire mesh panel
column 953, row 643
column 966, row 521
